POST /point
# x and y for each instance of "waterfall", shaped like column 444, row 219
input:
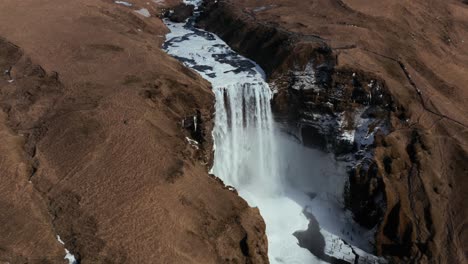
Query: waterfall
column 246, row 157
column 245, row 137
column 246, row 151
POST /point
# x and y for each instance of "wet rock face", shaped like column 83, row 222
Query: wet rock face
column 334, row 104
column 339, row 111
column 364, row 193
column 180, row 13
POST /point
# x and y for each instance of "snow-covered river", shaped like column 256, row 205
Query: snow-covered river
column 289, row 183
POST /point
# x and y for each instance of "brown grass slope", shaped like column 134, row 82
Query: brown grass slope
column 92, row 147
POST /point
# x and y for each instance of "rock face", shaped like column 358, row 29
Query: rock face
column 372, row 73
column 180, row 13
column 93, row 146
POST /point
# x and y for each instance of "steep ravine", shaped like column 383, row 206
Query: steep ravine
column 299, row 190
column 336, row 110
column 395, row 133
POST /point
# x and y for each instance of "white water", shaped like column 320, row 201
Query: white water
column 269, row 169
column 246, row 157
column 245, row 148
column 243, row 133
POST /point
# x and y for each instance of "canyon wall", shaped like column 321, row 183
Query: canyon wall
column 396, row 71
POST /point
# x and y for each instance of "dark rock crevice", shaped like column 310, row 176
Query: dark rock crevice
column 244, row 246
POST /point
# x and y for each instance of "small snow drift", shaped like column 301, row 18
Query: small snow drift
column 68, row 256
column 144, row 12
column 123, row 3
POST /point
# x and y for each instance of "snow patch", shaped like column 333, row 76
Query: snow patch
column 192, row 142
column 144, row 12
column 346, row 133
column 305, row 79
column 193, row 2
column 123, row 3
column 60, row 240
column 68, row 256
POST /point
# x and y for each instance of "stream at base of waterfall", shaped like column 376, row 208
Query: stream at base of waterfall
column 298, row 190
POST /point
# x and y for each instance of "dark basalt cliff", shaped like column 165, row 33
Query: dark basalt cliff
column 341, row 67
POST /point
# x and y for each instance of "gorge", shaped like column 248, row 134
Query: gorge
column 296, row 188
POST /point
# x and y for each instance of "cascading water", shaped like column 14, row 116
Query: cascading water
column 246, row 151
column 246, row 155
column 266, row 167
